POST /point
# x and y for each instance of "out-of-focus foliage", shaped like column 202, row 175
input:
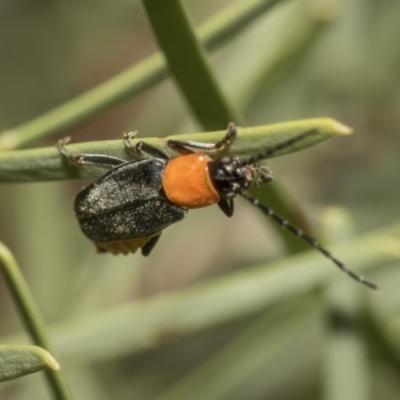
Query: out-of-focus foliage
column 301, row 59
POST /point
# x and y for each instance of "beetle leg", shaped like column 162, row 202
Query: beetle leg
column 149, row 246
column 84, row 159
column 230, row 135
column 186, row 147
column 140, row 147
column 149, row 149
column 182, row 147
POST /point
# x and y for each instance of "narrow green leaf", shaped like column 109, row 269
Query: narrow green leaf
column 47, row 164
column 226, row 24
column 188, row 63
column 20, row 360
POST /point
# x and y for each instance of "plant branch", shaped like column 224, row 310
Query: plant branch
column 44, row 164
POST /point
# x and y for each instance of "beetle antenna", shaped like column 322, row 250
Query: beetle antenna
column 270, row 152
column 311, row 241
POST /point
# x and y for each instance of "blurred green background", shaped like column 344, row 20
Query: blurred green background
column 301, row 59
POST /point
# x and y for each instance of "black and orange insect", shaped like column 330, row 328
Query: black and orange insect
column 130, row 205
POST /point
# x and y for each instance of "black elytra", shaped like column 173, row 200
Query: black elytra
column 130, row 205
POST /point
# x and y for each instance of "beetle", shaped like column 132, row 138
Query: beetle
column 130, row 205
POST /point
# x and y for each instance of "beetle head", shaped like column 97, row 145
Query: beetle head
column 232, row 176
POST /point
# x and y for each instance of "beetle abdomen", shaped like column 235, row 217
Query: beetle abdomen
column 124, row 246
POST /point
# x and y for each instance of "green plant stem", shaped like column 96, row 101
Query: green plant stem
column 188, row 64
column 32, row 318
column 133, row 81
column 48, row 164
column 233, row 19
